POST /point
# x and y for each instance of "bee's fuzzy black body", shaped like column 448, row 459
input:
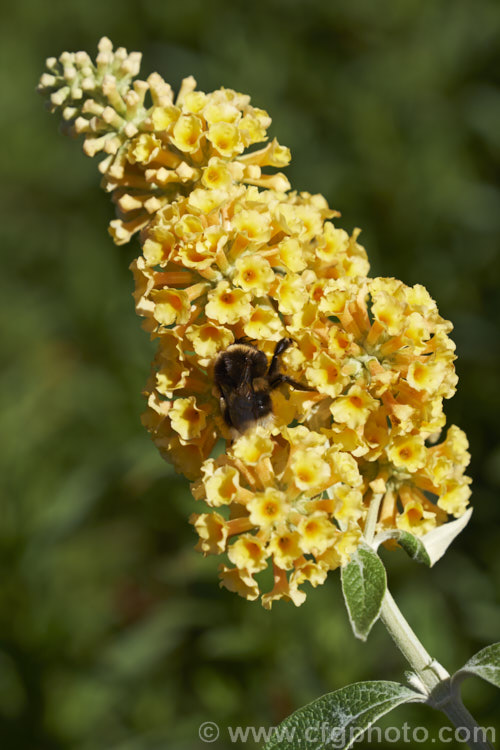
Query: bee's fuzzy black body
column 245, row 382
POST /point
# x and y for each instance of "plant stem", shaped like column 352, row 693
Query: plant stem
column 433, row 679
column 372, row 516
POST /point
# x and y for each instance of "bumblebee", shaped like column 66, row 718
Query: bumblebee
column 245, row 382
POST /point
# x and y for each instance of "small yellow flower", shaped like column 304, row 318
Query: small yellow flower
column 186, row 133
column 415, row 519
column 348, row 506
column 407, row 452
column 268, row 507
column 163, row 118
column 253, row 274
column 222, row 487
column 291, row 254
column 171, row 306
column 240, row 581
column 325, row 374
column 212, row 531
column 455, row 499
column 253, row 447
column 316, row 533
column 187, row 419
column 225, row 139
column 311, row 473
column 217, row 175
column 144, row 148
column 291, row 293
column 354, row 408
column 253, row 224
column 227, row 304
column 208, row 339
column 264, row 324
column 248, row 553
column 285, row 548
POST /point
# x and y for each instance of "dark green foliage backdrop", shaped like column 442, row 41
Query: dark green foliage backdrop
column 114, row 634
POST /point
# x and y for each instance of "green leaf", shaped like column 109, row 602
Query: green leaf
column 337, row 720
column 412, row 545
column 363, row 584
column 485, row 664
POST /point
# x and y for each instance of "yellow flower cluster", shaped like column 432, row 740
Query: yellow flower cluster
column 230, row 253
column 158, row 154
column 293, row 497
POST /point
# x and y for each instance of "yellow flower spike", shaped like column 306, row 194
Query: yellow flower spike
column 248, row 553
column 268, row 508
column 408, row 452
column 187, row 419
column 227, row 304
column 227, row 252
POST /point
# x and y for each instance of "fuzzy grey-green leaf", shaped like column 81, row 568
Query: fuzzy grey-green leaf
column 363, row 584
column 485, row 664
column 338, row 719
column 412, row 545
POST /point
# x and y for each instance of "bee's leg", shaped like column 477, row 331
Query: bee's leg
column 280, row 347
column 279, row 379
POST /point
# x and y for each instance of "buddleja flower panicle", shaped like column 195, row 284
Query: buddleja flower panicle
column 228, row 252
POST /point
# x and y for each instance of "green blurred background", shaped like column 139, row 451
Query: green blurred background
column 114, row 633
